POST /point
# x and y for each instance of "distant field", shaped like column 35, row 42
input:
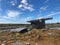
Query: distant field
column 27, row 25
column 53, row 25
column 12, row 25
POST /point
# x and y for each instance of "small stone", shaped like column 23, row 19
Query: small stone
column 2, row 44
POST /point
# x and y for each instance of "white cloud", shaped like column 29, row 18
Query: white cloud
column 54, row 13
column 44, row 8
column 12, row 14
column 20, row 5
column 13, row 2
column 5, row 22
column 40, row 17
column 24, row 1
column 24, row 20
column 25, row 6
column 27, row 19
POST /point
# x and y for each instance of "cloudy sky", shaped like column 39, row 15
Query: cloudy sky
column 20, row 11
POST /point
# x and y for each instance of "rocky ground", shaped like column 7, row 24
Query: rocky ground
column 33, row 37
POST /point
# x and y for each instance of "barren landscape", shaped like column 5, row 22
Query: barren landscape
column 33, row 37
column 29, row 22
